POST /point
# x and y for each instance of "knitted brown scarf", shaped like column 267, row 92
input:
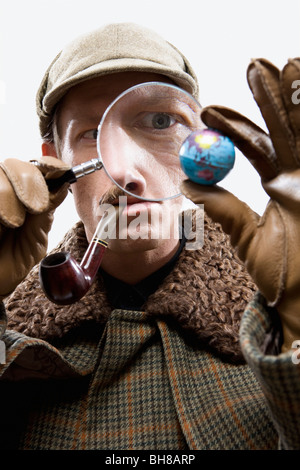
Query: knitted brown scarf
column 205, row 295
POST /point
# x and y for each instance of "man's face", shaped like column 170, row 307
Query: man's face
column 79, row 115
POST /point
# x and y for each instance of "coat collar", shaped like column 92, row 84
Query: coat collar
column 204, row 296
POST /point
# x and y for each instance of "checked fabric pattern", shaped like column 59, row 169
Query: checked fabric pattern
column 142, row 386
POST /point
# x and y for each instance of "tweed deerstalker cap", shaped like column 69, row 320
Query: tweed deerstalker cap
column 117, row 47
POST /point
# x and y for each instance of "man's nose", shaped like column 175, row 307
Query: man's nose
column 124, row 160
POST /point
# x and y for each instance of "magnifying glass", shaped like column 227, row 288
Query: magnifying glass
column 139, row 139
column 140, row 136
column 146, row 137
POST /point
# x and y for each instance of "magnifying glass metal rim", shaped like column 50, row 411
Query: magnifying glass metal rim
column 108, row 109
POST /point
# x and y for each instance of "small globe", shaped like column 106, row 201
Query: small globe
column 207, row 156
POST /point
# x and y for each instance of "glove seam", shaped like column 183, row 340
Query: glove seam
column 283, row 271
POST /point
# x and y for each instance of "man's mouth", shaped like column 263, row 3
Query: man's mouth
column 134, row 207
column 129, row 204
column 112, row 196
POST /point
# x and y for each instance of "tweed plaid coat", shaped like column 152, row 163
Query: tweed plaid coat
column 171, row 376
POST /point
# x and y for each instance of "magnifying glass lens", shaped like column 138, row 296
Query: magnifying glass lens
column 140, row 136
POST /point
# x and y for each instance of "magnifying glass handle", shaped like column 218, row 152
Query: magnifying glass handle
column 72, row 175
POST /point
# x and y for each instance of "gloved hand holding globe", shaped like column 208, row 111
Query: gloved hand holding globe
column 268, row 245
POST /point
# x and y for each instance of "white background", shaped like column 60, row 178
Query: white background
column 218, row 37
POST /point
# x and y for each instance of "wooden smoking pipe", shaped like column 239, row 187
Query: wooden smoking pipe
column 63, row 279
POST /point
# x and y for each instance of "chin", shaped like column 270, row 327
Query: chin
column 133, row 246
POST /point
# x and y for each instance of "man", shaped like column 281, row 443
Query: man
column 150, row 357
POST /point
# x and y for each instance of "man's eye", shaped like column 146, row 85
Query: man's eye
column 91, row 134
column 158, row 120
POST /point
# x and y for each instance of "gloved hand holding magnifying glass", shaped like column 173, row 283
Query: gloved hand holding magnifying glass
column 140, row 138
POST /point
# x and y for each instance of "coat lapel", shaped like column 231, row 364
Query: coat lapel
column 218, row 405
column 206, row 294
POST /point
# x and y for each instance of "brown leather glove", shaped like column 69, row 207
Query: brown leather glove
column 268, row 245
column 26, row 215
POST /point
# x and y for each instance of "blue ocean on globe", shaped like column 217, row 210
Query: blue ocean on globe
column 207, row 156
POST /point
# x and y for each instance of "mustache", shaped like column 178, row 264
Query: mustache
column 112, row 195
